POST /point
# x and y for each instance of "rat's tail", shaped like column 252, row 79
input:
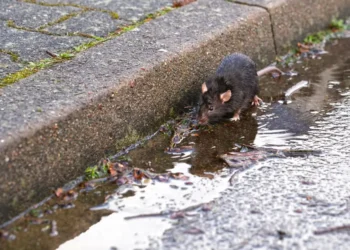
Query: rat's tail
column 270, row 69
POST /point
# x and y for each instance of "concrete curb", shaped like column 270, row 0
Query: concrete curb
column 128, row 83
column 291, row 20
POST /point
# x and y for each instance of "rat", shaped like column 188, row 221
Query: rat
column 232, row 89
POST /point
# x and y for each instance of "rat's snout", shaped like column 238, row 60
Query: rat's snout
column 202, row 120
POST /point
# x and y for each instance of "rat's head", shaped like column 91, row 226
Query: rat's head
column 213, row 103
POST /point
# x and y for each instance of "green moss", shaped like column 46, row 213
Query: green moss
column 96, row 172
column 66, row 55
column 131, row 137
column 87, row 45
column 60, row 20
column 32, row 68
column 35, row 67
column 337, row 24
column 91, row 173
column 317, row 37
column 114, row 15
column 14, row 56
column 35, row 212
column 172, row 113
column 14, row 77
column 11, row 24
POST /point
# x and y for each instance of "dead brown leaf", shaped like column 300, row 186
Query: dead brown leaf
column 180, row 3
column 59, row 192
column 138, row 174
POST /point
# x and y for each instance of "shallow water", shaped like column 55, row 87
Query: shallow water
column 316, row 117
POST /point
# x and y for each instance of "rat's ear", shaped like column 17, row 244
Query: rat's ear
column 204, row 88
column 225, row 97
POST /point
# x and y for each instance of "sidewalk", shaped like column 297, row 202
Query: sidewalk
column 63, row 118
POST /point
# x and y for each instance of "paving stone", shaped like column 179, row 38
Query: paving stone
column 32, row 15
column 128, row 10
column 92, row 23
column 7, row 65
column 31, row 46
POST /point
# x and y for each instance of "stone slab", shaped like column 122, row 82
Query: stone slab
column 7, row 65
column 32, row 15
column 292, row 20
column 128, row 83
column 131, row 10
column 91, row 22
column 31, row 46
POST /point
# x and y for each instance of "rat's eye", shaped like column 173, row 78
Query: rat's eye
column 211, row 108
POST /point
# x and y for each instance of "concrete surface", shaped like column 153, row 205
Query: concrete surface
column 31, row 46
column 93, row 23
column 292, row 20
column 131, row 10
column 58, row 121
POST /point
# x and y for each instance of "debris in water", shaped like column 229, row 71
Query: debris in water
column 178, row 215
column 7, row 236
column 66, row 195
column 38, row 221
column 182, row 151
column 179, row 176
column 339, row 229
column 296, row 87
column 194, row 230
column 170, row 213
column 54, row 231
column 250, row 155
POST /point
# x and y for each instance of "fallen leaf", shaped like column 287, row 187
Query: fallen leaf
column 180, row 3
column 138, row 174
column 177, row 215
column 59, row 192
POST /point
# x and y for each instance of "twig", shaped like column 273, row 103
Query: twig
column 21, row 215
column 51, row 54
column 163, row 213
column 146, row 215
column 133, row 146
column 332, row 230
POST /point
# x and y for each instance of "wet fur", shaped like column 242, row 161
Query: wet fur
column 237, row 73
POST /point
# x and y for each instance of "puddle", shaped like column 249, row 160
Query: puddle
column 274, row 124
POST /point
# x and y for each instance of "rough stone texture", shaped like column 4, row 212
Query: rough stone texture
column 92, row 23
column 132, row 10
column 32, row 15
column 31, row 46
column 292, row 20
column 7, row 65
column 90, row 102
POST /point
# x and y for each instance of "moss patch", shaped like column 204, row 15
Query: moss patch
column 131, row 137
column 114, row 15
column 12, row 24
column 14, row 56
column 335, row 28
column 45, row 63
column 60, row 20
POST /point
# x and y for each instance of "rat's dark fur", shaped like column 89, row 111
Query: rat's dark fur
column 237, row 73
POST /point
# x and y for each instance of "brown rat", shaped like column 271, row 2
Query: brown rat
column 232, row 89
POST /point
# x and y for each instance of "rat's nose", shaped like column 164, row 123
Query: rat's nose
column 203, row 120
